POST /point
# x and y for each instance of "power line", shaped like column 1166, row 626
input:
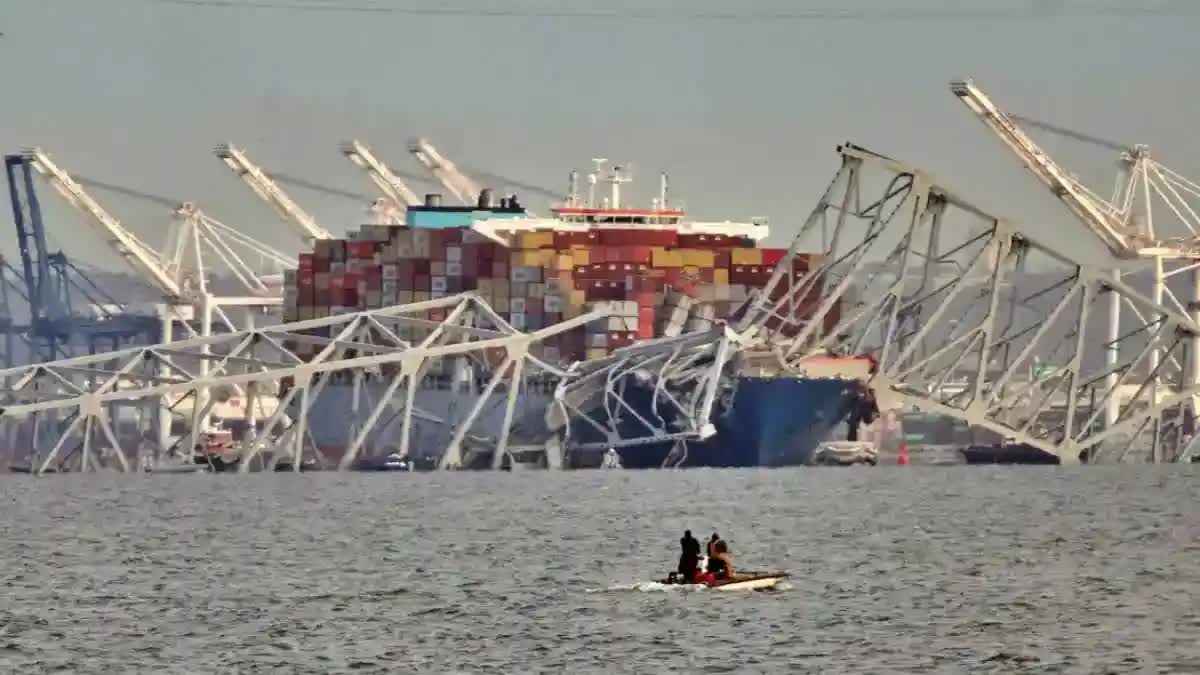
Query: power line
column 1032, row 11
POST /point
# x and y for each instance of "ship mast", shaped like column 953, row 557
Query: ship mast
column 593, row 178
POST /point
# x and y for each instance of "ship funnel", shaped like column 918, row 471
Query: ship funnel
column 485, row 198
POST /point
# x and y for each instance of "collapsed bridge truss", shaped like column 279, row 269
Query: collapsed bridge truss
column 969, row 317
column 95, row 411
column 963, row 314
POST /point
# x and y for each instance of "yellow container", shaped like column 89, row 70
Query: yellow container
column 581, row 256
column 661, row 257
column 577, row 298
column 597, row 353
column 566, row 262
column 537, row 239
column 721, row 277
column 691, row 270
column 698, row 257
column 746, row 256
column 534, row 258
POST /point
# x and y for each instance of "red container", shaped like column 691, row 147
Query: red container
column 723, row 260
column 360, row 250
column 305, row 262
column 421, row 282
column 304, row 279
column 420, row 266
column 405, row 270
column 645, row 323
column 772, row 256
column 647, row 285
column 706, row 275
column 470, row 264
column 565, row 240
column 640, row 254
column 320, row 265
column 637, row 237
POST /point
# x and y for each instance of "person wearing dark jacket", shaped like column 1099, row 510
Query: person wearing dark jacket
column 689, row 556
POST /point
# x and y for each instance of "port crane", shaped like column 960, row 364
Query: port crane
column 1125, row 223
column 465, row 190
column 396, row 194
column 270, row 192
column 180, row 274
column 51, row 280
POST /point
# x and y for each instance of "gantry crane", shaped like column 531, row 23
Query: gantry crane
column 181, row 274
column 271, row 193
column 397, row 195
column 463, row 188
column 1125, row 223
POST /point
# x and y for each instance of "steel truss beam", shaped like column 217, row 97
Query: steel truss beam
column 966, row 316
column 89, row 401
column 678, row 382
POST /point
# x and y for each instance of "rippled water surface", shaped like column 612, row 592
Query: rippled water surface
column 957, row 569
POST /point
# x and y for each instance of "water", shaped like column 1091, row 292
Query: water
column 956, row 569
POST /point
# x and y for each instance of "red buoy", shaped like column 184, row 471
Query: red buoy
column 902, row 455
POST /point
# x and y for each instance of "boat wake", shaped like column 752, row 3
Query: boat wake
column 648, row 587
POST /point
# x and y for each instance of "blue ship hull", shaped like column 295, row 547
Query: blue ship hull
column 769, row 422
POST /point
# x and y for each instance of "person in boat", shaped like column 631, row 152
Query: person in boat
column 689, row 556
column 720, row 564
column 710, row 548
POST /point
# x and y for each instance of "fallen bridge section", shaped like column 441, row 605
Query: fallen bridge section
column 969, row 316
column 440, row 377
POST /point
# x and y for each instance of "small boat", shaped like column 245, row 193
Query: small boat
column 741, row 581
column 845, row 453
column 392, row 462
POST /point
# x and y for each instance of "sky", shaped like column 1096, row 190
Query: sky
column 743, row 103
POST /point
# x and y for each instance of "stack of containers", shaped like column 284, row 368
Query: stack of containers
column 653, row 282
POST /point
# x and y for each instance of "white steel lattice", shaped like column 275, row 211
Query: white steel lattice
column 967, row 316
column 78, row 405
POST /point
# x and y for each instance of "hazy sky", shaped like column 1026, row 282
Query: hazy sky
column 742, row 102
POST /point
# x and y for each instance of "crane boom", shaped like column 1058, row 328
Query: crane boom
column 141, row 257
column 464, row 189
column 1111, row 231
column 271, row 193
column 389, row 183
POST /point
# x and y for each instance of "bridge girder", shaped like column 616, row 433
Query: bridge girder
column 969, row 316
column 396, row 348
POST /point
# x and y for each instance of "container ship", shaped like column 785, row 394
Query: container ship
column 656, row 271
